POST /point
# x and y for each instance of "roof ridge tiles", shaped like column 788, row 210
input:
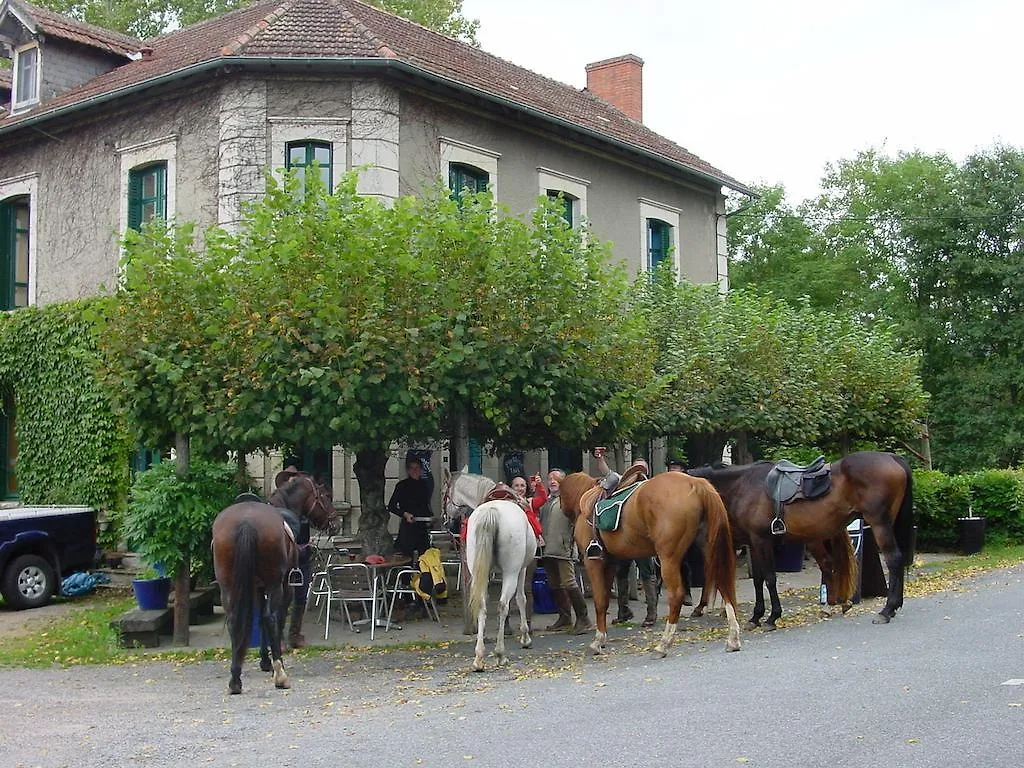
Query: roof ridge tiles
column 237, row 45
column 368, row 34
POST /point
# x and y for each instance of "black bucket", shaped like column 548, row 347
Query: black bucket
column 970, row 535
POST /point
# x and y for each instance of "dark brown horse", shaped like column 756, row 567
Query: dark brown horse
column 875, row 486
column 253, row 554
column 663, row 517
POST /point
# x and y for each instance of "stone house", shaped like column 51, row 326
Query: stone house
column 104, row 132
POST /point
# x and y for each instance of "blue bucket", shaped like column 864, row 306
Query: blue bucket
column 152, row 594
column 543, row 597
column 256, row 632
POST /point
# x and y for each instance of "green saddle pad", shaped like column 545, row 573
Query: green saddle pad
column 609, row 511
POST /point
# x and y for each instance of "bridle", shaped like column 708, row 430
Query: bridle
column 321, row 501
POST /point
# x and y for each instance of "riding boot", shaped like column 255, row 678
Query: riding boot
column 622, row 593
column 651, row 598
column 579, row 605
column 295, row 636
column 564, row 621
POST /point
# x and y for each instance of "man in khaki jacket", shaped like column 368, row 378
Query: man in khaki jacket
column 560, row 562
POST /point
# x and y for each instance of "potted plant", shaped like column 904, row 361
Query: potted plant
column 152, row 589
column 168, row 519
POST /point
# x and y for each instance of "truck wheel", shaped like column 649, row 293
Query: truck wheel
column 29, row 582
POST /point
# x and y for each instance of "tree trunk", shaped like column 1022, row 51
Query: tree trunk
column 743, row 455
column 704, row 449
column 183, row 576
column 373, row 515
column 844, row 443
column 458, row 449
column 926, row 446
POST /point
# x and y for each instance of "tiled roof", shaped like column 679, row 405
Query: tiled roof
column 53, row 24
column 349, row 29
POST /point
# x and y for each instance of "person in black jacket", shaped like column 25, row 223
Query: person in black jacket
column 411, row 502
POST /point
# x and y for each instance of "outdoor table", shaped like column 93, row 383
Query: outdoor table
column 377, row 571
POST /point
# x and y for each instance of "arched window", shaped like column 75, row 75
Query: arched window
column 302, row 157
column 14, row 252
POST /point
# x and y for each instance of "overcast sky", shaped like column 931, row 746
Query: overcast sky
column 771, row 91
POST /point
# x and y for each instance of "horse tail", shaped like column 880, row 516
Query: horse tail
column 904, row 523
column 484, row 533
column 720, row 556
column 844, row 566
column 243, row 584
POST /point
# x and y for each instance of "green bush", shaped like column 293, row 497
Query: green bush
column 169, row 519
column 995, row 494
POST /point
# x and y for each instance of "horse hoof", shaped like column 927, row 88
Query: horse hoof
column 825, row 614
column 478, row 665
column 660, row 653
column 770, row 627
column 846, row 607
column 732, row 647
column 235, row 688
column 283, row 684
column 880, row 619
column 696, row 613
column 528, row 643
column 596, row 649
column 750, row 626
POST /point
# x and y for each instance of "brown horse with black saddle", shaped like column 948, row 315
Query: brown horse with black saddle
column 868, row 484
column 663, row 517
column 254, row 553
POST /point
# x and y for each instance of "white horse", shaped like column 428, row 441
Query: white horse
column 498, row 534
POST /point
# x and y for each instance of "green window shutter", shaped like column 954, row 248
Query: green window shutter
column 476, row 458
column 567, row 203
column 8, row 239
column 8, row 477
column 659, row 242
column 135, row 200
column 463, row 178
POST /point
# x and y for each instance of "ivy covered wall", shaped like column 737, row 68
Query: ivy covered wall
column 72, row 449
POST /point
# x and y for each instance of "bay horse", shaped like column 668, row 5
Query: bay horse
column 253, row 554
column 663, row 517
column 869, row 484
column 497, row 533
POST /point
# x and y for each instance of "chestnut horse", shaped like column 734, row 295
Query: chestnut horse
column 253, row 554
column 663, row 517
column 868, row 484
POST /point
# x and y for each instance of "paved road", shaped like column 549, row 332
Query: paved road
column 924, row 691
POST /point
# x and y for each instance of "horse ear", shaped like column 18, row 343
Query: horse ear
column 465, row 469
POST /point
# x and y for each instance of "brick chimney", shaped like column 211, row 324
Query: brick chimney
column 620, row 82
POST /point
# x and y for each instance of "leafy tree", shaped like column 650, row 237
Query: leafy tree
column 750, row 367
column 334, row 320
column 149, row 18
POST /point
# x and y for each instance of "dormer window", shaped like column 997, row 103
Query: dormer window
column 25, row 90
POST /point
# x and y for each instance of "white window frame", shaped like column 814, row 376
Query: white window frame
column 162, row 150
column 27, row 185
column 18, row 104
column 650, row 209
column 461, row 153
column 325, row 130
column 571, row 185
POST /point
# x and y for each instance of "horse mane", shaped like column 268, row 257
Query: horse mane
column 572, row 488
column 718, row 470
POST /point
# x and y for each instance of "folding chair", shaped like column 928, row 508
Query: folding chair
column 344, row 584
column 400, row 583
column 451, row 551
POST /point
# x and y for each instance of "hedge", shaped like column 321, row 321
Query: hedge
column 995, row 494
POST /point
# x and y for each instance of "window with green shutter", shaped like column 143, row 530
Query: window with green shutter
column 147, row 194
column 567, row 203
column 304, row 157
column 659, row 242
column 8, row 477
column 466, row 178
column 14, row 252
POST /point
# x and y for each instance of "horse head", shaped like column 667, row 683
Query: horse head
column 461, row 489
column 571, row 490
column 302, row 494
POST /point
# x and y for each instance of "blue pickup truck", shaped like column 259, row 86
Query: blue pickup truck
column 39, row 545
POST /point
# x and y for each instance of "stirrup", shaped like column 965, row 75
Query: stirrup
column 778, row 527
column 295, row 578
column 594, row 550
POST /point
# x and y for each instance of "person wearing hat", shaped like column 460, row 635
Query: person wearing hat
column 410, row 502
column 675, row 465
column 300, row 529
